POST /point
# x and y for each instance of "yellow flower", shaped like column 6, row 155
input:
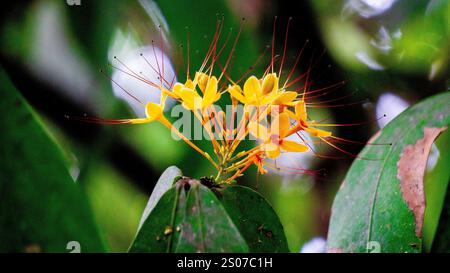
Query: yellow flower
column 273, row 139
column 254, row 92
column 153, row 111
column 262, row 92
column 179, row 86
column 301, row 117
column 285, row 98
column 191, row 99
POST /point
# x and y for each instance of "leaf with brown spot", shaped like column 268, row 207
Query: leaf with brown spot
column 436, row 228
column 371, row 207
column 411, row 171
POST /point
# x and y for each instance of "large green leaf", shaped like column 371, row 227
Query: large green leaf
column 165, row 182
column 159, row 233
column 206, row 226
column 168, row 204
column 370, row 211
column 188, row 218
column 255, row 219
column 441, row 242
column 41, row 208
column 436, row 181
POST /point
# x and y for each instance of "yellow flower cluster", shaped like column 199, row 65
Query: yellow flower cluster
column 262, row 99
column 272, row 112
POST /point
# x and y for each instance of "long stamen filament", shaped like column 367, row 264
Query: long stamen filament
column 169, row 125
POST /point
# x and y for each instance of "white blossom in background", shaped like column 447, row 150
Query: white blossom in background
column 364, row 58
column 127, row 51
column 367, row 8
column 383, row 40
column 315, row 245
column 390, row 105
column 53, row 59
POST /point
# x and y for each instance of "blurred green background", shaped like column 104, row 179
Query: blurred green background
column 391, row 53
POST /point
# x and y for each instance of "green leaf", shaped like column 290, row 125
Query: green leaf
column 41, row 208
column 370, row 209
column 255, row 219
column 159, row 232
column 165, row 182
column 206, row 226
column 192, row 221
column 441, row 242
column 436, row 181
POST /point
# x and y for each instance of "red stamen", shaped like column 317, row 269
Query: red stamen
column 232, row 49
column 336, row 105
column 144, row 80
column 297, row 59
column 128, row 93
column 273, row 42
column 285, row 45
column 188, row 53
column 160, row 77
column 156, row 59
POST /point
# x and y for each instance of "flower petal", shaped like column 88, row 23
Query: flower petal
column 190, row 98
column 153, row 111
column 280, row 125
column 177, row 89
column 202, row 80
column 189, row 84
column 269, row 98
column 292, row 146
column 252, row 88
column 272, row 150
column 270, row 84
column 210, row 92
column 236, row 92
column 286, row 98
column 300, row 110
column 285, row 125
column 317, row 132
